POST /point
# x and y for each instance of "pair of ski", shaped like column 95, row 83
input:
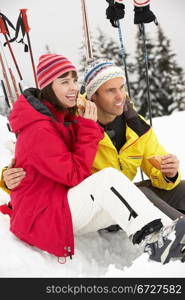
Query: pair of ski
column 22, row 24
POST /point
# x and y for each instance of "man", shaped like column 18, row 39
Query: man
column 130, row 140
column 127, row 144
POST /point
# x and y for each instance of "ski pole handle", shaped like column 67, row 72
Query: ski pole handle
column 2, row 26
column 25, row 19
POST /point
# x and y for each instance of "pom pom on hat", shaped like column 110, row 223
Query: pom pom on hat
column 98, row 73
column 50, row 67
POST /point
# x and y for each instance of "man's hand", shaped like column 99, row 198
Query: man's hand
column 169, row 165
column 13, row 176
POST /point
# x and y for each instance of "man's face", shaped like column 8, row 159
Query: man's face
column 110, row 98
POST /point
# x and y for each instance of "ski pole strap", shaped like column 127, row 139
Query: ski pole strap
column 3, row 24
column 19, row 26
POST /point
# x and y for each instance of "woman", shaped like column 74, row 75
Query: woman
column 59, row 195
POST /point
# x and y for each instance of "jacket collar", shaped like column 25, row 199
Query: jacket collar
column 136, row 127
column 31, row 95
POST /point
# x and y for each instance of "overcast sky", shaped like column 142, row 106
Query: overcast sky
column 58, row 23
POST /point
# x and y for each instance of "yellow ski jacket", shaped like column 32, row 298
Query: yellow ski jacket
column 2, row 183
column 141, row 142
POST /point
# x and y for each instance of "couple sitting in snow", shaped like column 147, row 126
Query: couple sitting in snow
column 73, row 169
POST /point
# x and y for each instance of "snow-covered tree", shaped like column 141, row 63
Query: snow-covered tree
column 171, row 82
column 166, row 78
column 140, row 94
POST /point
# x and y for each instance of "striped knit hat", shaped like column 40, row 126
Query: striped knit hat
column 50, row 67
column 98, row 73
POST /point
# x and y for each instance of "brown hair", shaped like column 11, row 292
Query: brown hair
column 48, row 94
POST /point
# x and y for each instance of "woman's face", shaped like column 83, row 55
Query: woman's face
column 66, row 90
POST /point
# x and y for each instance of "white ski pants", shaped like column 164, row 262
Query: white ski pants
column 95, row 206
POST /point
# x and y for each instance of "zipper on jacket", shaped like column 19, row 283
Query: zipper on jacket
column 120, row 165
column 68, row 250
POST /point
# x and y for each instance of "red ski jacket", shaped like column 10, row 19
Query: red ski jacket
column 57, row 151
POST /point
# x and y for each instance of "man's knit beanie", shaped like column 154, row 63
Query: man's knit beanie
column 98, row 73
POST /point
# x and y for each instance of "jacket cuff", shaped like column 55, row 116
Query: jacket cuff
column 3, row 185
column 171, row 179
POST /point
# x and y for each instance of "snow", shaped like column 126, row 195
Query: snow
column 100, row 254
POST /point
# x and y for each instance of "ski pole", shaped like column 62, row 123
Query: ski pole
column 27, row 29
column 143, row 34
column 5, row 94
column 20, row 87
column 115, row 21
column 88, row 46
column 14, row 83
column 7, row 102
column 4, row 31
column 142, row 31
column 114, row 13
column 6, row 78
column 11, row 73
column 143, row 14
column 123, row 55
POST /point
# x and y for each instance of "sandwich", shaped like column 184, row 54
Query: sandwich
column 81, row 102
column 155, row 160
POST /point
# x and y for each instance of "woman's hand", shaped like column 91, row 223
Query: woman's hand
column 90, row 111
column 13, row 176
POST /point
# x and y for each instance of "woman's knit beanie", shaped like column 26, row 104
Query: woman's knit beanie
column 51, row 66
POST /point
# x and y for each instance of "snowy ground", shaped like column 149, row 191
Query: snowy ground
column 99, row 254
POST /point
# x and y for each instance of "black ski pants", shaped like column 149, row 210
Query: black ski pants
column 171, row 202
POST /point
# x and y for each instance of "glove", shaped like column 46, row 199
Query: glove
column 114, row 12
column 144, row 15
